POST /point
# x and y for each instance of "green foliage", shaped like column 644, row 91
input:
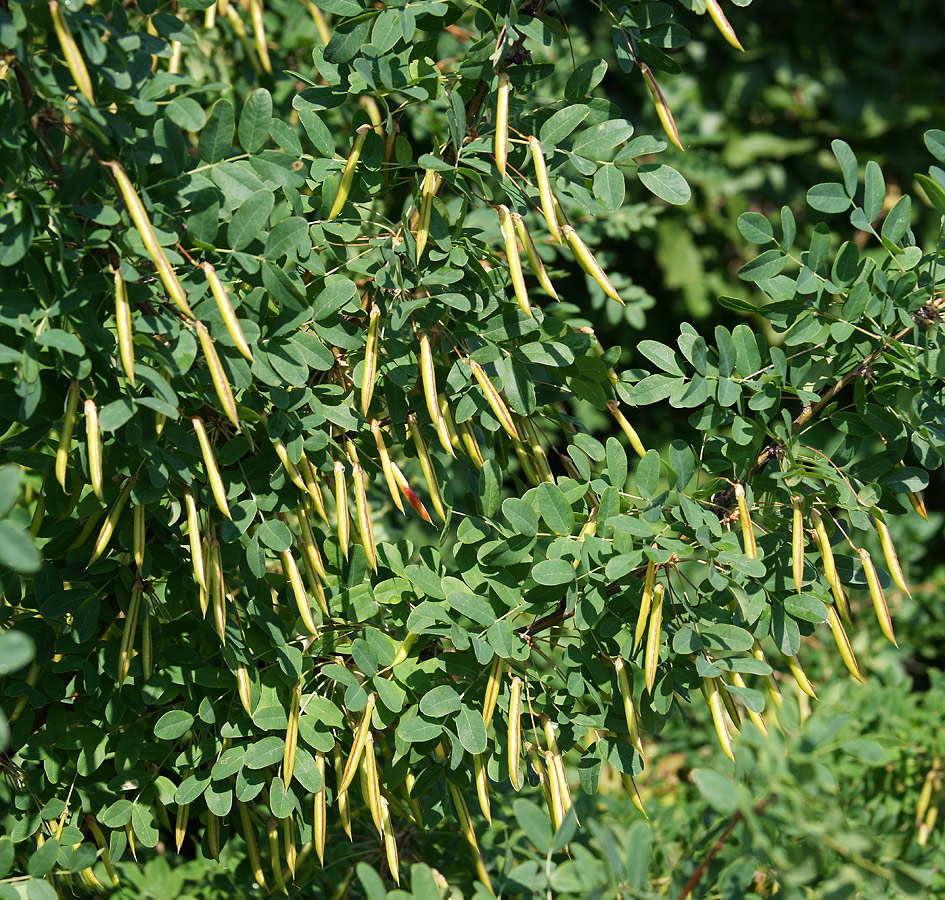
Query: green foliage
column 246, row 315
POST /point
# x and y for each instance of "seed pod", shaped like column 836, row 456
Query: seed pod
column 386, row 465
column 465, row 823
column 744, row 516
column 843, row 645
column 217, row 591
column 502, row 124
column 514, row 744
column 126, row 648
column 588, row 263
column 773, row 691
column 390, row 841
column 482, row 786
column 70, row 50
column 180, row 826
column 534, row 260
column 126, row 349
column 654, row 633
column 494, row 399
column 292, row 734
column 925, row 795
column 730, row 706
column 288, row 839
column 493, row 686
column 542, row 466
column 404, row 650
column 710, row 690
column 320, row 818
column 65, row 434
column 830, row 568
column 93, row 442
column 244, row 688
column 147, row 643
column 450, row 424
column 259, row 33
column 892, row 558
column 203, row 591
column 738, row 681
column 645, row 601
column 32, row 676
column 879, row 599
column 93, row 826
column 662, row 107
column 310, row 551
column 918, row 504
column 360, row 737
column 311, row 485
column 426, row 466
column 800, row 676
column 221, row 295
column 252, row 846
column 554, row 788
column 410, row 494
column 471, row 444
column 428, row 378
column 599, row 352
column 372, row 783
column 514, row 260
column 210, row 466
column 627, row 428
column 294, row 578
column 797, row 545
column 230, row 11
column 369, row 371
column 548, row 202
column 630, row 786
column 629, row 711
column 341, row 507
column 427, row 192
column 272, row 832
column 364, row 516
column 715, row 11
column 137, row 544
column 193, row 534
column 111, row 520
column 347, row 176
column 151, row 245
column 217, row 375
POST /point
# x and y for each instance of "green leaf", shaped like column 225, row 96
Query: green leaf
column 417, row 730
column 534, row 821
column 347, row 39
column 255, row 120
column 897, row 221
column 661, row 355
column 553, row 571
column 610, row 187
column 42, row 860
column 828, row 197
column 935, row 143
column 767, row 265
column 874, row 193
column 848, row 165
column 756, row 228
column 934, row 191
column 718, row 791
column 806, row 607
column 665, row 182
column 599, row 141
column 251, row 219
column 471, row 730
column 648, row 474
column 554, row 508
column 62, row 340
column 562, row 123
column 173, row 724
column 275, row 534
column 442, row 701
column 266, row 752
column 18, row 549
column 216, row 139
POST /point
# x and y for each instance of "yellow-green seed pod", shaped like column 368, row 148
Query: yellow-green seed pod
column 147, row 642
column 531, row 253
column 137, row 544
column 386, row 466
column 143, row 224
column 800, row 676
column 221, row 295
column 426, row 466
column 341, row 507
column 585, row 259
column 830, row 567
column 554, row 789
column 65, row 433
column 654, row 634
column 466, row 825
column 102, row 844
column 373, row 783
column 627, row 428
column 773, row 690
column 482, row 786
column 210, row 466
column 744, row 517
column 730, row 707
column 230, row 11
column 180, row 826
column 252, row 845
column 217, row 591
column 126, row 350
column 645, row 602
column 925, row 795
column 739, row 682
column 357, row 747
column 663, row 111
column 244, row 688
column 310, row 551
column 473, row 450
column 347, row 176
column 514, row 744
column 365, row 528
column 542, row 466
column 494, row 399
column 259, row 33
column 502, row 124
column 193, row 534
column 217, row 375
column 404, row 650
column 320, row 816
column 369, row 372
column 93, row 442
column 879, row 598
column 428, row 379
column 797, row 545
column 514, row 260
column 710, row 691
column 294, row 578
column 288, row 839
column 843, row 645
column 427, row 192
column 126, row 648
column 630, row 786
column 629, row 711
column 292, row 735
column 272, row 832
column 111, row 520
column 290, row 468
column 409, row 493
column 722, row 23
column 390, row 841
column 70, row 50
column 548, row 204
column 892, row 558
column 311, row 485
column 493, row 686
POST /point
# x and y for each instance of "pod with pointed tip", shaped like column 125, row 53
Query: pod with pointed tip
column 126, row 350
column 879, row 598
column 493, row 686
column 645, row 602
column 514, row 260
column 65, row 433
column 347, row 176
column 386, row 466
column 653, row 636
column 473, row 450
column 585, row 259
column 320, row 817
column 630, row 786
column 310, row 551
column 290, row 468
column 545, row 195
column 892, row 558
column 514, row 743
column 244, row 687
column 341, row 796
column 800, row 676
column 710, row 690
column 288, row 840
column 629, row 711
column 428, row 379
column 217, row 375
column 843, row 645
column 627, row 428
column 93, row 440
column 369, row 371
column 146, row 230
column 730, row 707
column 217, row 591
column 390, row 841
column 311, row 485
column 272, row 832
column 252, row 845
column 502, row 124
column 531, row 253
column 426, row 466
column 126, row 648
column 111, row 520
column 93, row 826
column 427, row 192
column 466, row 825
column 357, row 747
column 773, row 690
column 744, row 517
column 482, row 786
column 409, row 493
column 403, row 651
column 542, row 466
column 210, row 466
column 137, row 540
column 723, row 25
column 830, row 567
column 372, row 782
column 259, row 34
column 365, row 528
column 663, row 111
column 292, row 734
column 221, row 295
column 180, row 824
column 147, row 642
column 341, row 507
column 494, row 399
column 294, row 577
column 739, row 682
column 70, row 50
column 797, row 545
